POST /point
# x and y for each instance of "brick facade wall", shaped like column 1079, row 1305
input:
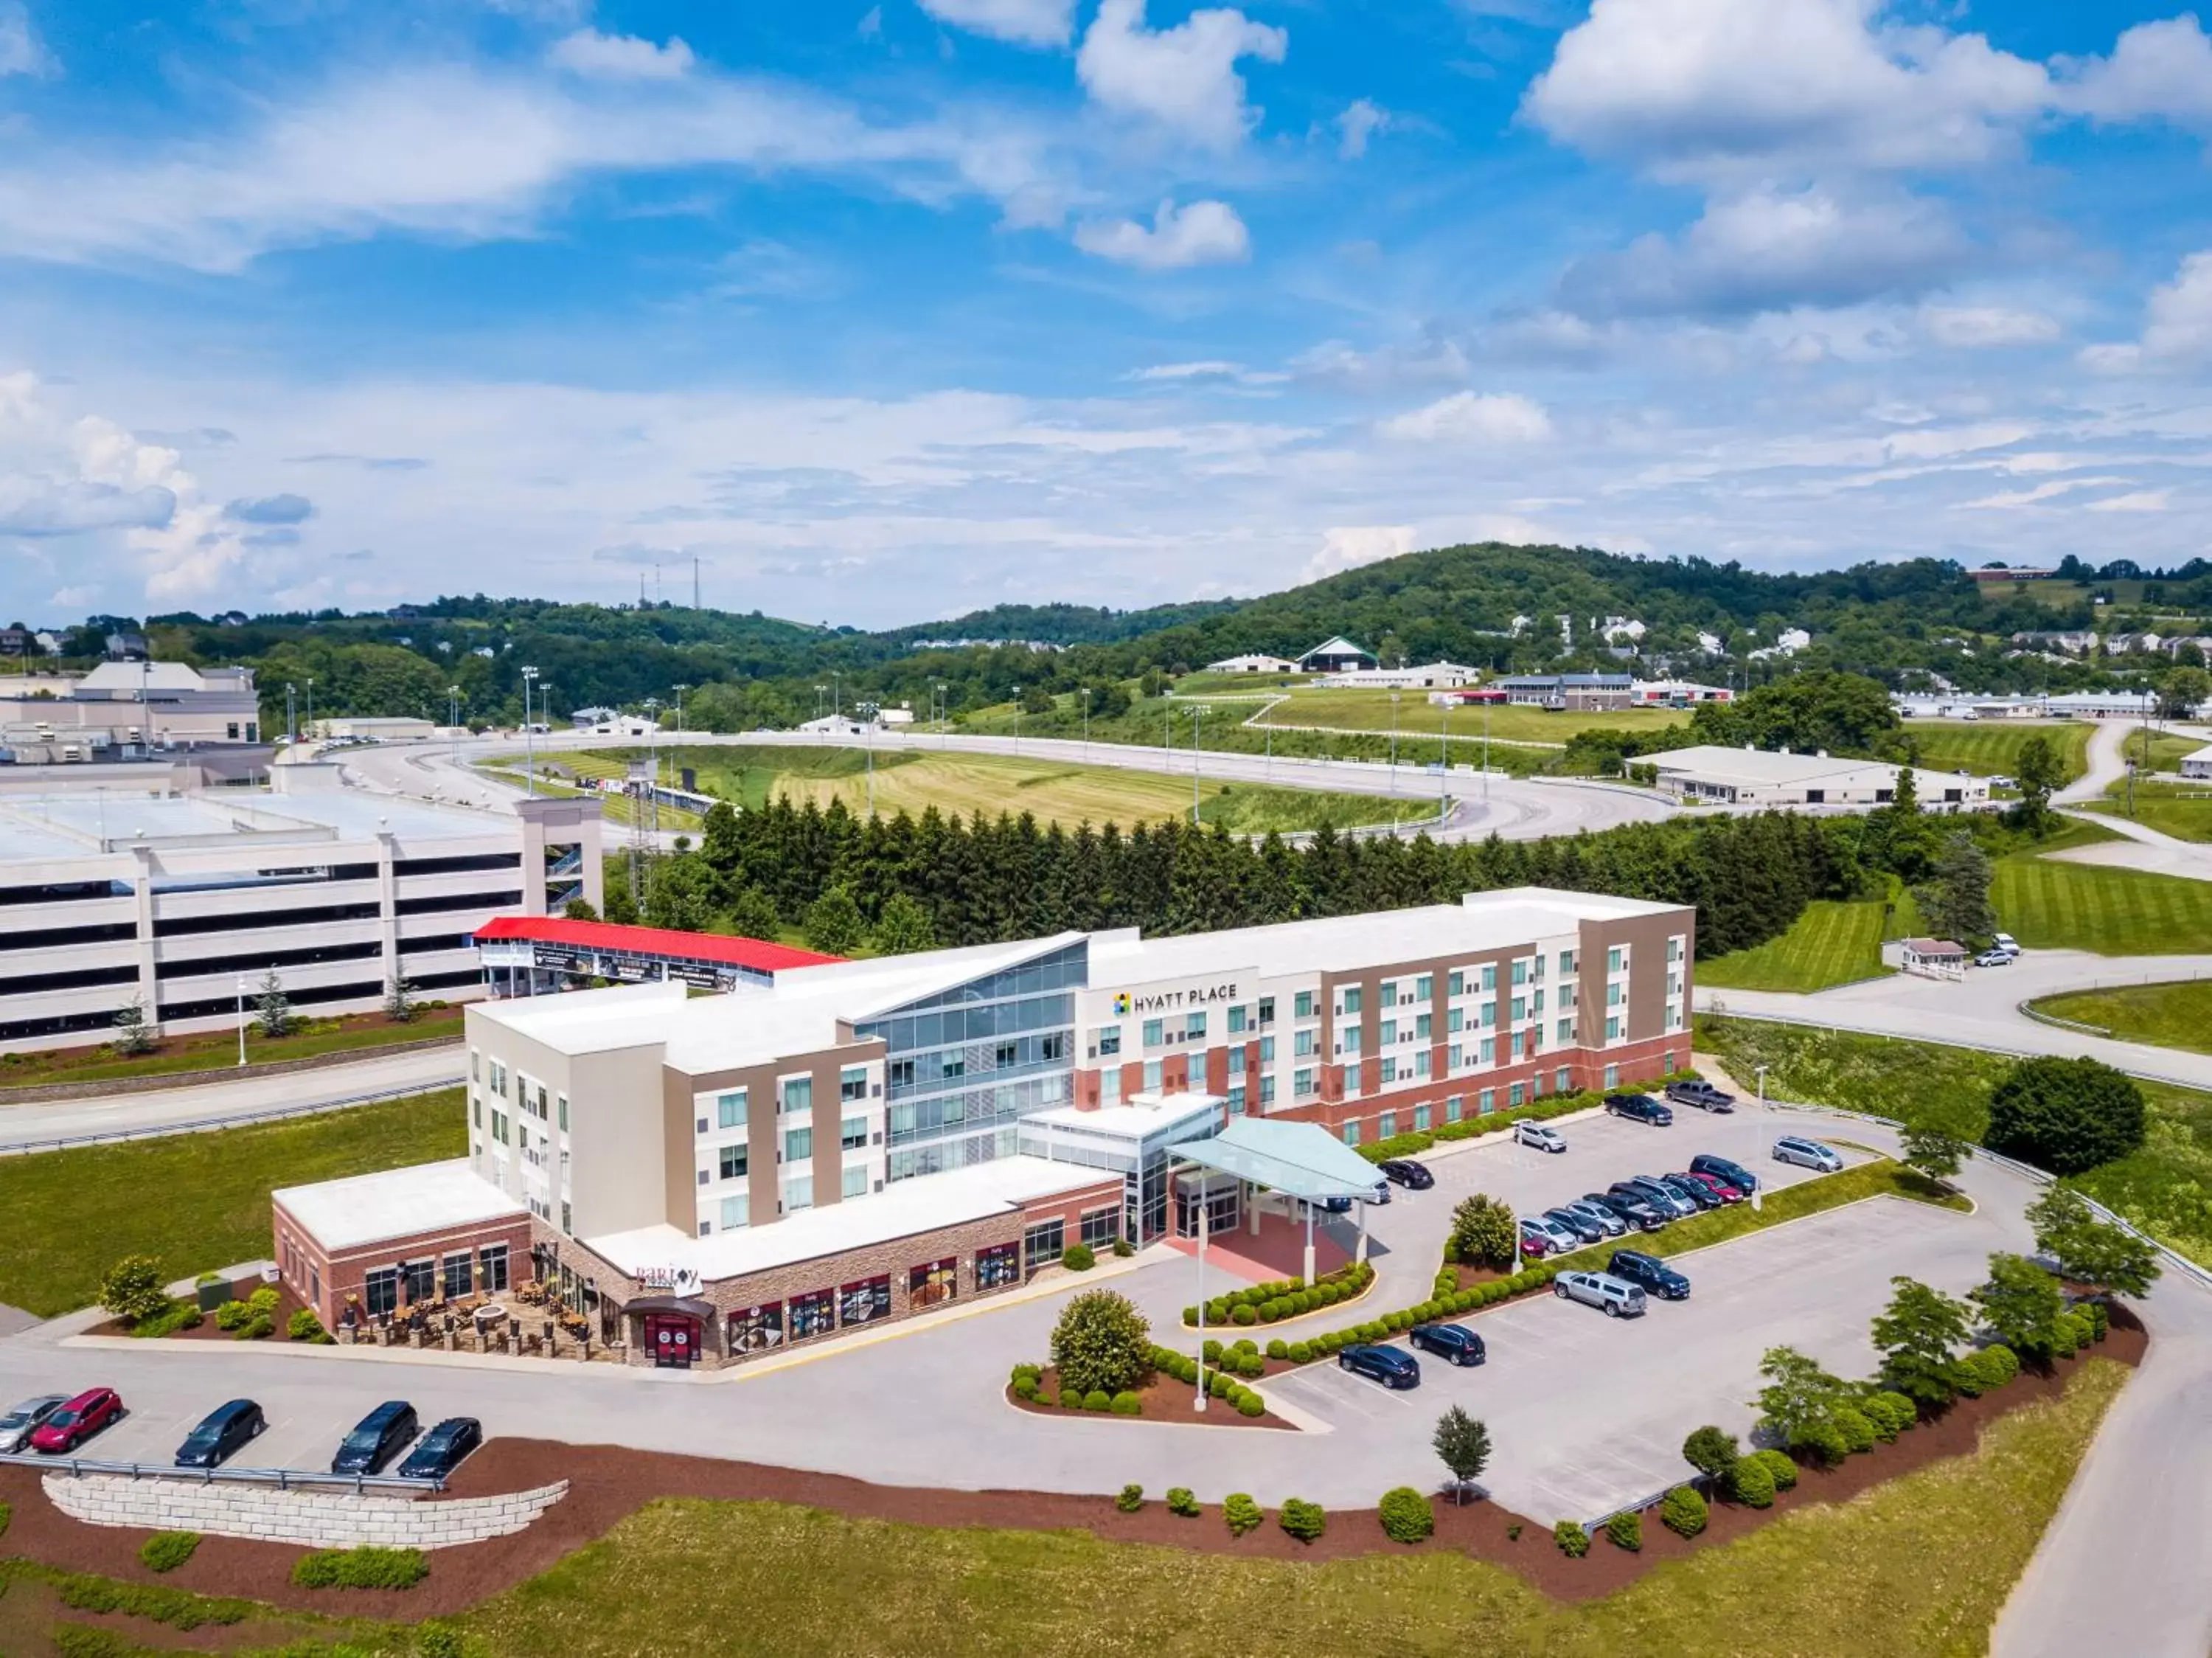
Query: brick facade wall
column 322, row 1279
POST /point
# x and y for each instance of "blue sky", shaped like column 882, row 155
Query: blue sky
column 886, row 312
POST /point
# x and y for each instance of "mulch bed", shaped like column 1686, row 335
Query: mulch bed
column 1164, row 1400
column 607, row 1482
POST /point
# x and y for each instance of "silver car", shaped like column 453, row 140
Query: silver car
column 1808, row 1154
column 1661, row 1197
column 1604, row 1219
column 1618, row 1297
column 17, row 1426
column 1542, row 1136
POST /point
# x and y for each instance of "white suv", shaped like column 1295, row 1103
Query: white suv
column 1542, row 1136
column 1808, row 1154
column 1618, row 1297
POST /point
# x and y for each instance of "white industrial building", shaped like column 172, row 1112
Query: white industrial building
column 1751, row 776
column 1435, row 676
column 123, row 710
column 173, row 898
column 1253, row 663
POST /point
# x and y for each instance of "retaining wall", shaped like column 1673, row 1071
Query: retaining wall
column 317, row 1520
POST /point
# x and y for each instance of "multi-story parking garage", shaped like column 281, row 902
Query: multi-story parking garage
column 176, row 899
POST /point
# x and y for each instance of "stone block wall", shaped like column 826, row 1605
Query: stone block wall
column 311, row 1519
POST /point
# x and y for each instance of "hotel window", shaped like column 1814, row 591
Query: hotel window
column 1563, row 1081
column 1041, row 1244
column 499, row 1127
column 418, row 1279
column 1155, row 1033
column 797, row 1094
column 1352, row 1132
column 1237, row 1099
column 456, row 1277
column 1110, row 1086
column 1566, row 962
column 1267, row 1009
column 1110, row 1040
column 1235, row 1062
column 1613, row 1076
column 1612, row 960
column 478, row 1112
column 1350, row 1041
column 1489, row 1015
column 730, row 1110
column 499, row 1079
column 1390, row 1032
column 1520, row 1009
column 1390, row 1071
column 1350, row 1003
column 855, row 1183
column 1455, row 984
column 1614, row 996
column 1612, row 1028
column 900, row 1073
column 1236, row 1020
column 734, row 1213
column 1303, row 1044
column 1521, row 972
column 1003, row 1056
column 562, row 1102
column 1485, row 1102
column 1536, row 1004
column 799, row 1194
column 734, row 1161
column 1421, row 1063
column 568, row 1222
column 380, row 1291
column 1152, row 1077
column 1424, row 1025
column 798, row 1145
column 491, row 1268
column 950, row 1064
column 1452, row 1056
column 853, row 1133
column 1101, row 1226
column 1386, row 1125
column 1515, row 1095
column 1301, row 1083
column 1673, row 951
column 1390, row 995
column 1266, row 1090
column 1420, row 1118
column 1489, row 1050
column 1266, row 1049
column 475, row 1070
column 1301, row 1005
column 1454, row 1107
column 1566, row 1031
column 1424, row 988
column 1194, row 1027
column 1490, row 975
column 853, row 1082
column 1455, row 1022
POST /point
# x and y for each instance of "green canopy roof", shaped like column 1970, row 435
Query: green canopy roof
column 1302, row 1159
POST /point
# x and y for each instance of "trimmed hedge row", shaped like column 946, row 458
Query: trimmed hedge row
column 1283, row 1298
column 1497, row 1122
column 1236, row 1395
column 1445, row 1305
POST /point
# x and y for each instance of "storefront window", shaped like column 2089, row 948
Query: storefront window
column 814, row 1314
column 492, row 1269
column 1102, row 1227
column 940, row 1280
column 757, row 1329
column 381, row 1294
column 419, row 1279
column 865, row 1301
column 458, row 1278
column 997, row 1265
column 1042, row 1245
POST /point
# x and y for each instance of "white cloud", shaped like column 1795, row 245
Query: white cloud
column 1715, row 89
column 1201, row 233
column 2178, row 330
column 2036, row 496
column 1361, row 120
column 22, row 51
column 1435, row 359
column 1025, row 22
column 1769, row 249
column 1211, row 368
column 1980, row 326
column 1349, row 547
column 2139, row 500
column 1184, row 78
column 1472, row 418
column 620, row 57
column 2160, row 70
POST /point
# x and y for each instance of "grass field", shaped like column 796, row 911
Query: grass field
column 615, row 808
column 2158, row 751
column 2086, row 906
column 2180, row 810
column 1054, row 791
column 1832, row 943
column 1991, row 747
column 2175, row 1016
column 1370, row 711
column 191, row 1201
column 218, row 1050
column 2165, row 1187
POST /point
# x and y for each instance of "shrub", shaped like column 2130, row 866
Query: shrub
column 2065, row 1115
column 1298, row 1352
column 1254, row 1365
column 167, row 1550
column 1069, row 1398
column 1278, row 1349
column 1098, row 1399
column 133, row 1289
column 1303, row 1520
column 303, row 1325
column 1123, row 1248
column 1574, row 1542
column 231, row 1315
column 1242, row 1513
column 6, row 1515
column 1128, row 1405
column 1251, row 1406
column 1077, row 1258
column 177, row 1608
column 1856, row 1428
column 259, row 1327
column 1711, row 1452
column 1406, row 1515
column 1248, row 1345
column 1211, row 1349
column 1998, row 1364
column 264, row 1299
column 1032, row 1373
column 1181, row 1502
column 2074, row 1332
column 1217, row 1384
column 1102, row 1342
column 1626, row 1530
column 2100, row 1319
column 1822, row 1442
column 183, row 1315
column 362, row 1567
column 1777, row 1463
column 1683, row 1512
column 1891, row 1414
column 1751, row 1482
column 1130, row 1500
column 439, row 1641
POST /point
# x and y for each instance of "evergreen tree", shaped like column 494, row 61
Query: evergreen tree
column 400, row 1000
column 1955, row 904
column 131, row 1037
column 274, row 1007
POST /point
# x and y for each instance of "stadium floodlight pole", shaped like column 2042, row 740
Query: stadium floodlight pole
column 529, row 734
column 291, row 715
column 453, row 719
column 680, row 689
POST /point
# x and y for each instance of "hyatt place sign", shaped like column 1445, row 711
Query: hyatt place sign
column 1126, row 1002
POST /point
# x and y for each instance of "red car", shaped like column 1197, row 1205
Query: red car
column 78, row 1420
column 1712, row 1183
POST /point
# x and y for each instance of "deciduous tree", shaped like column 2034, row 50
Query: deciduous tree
column 1101, row 1343
column 1462, row 1444
column 1484, row 1231
column 2021, row 1303
column 2066, row 1115
column 1918, row 1337
column 2089, row 1251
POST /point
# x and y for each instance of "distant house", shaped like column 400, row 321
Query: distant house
column 1569, row 693
column 1676, row 693
column 127, row 647
column 1711, row 643
column 1615, row 628
column 2073, row 643
column 1713, row 775
column 1934, row 958
column 1254, row 663
column 14, row 641
column 1336, row 655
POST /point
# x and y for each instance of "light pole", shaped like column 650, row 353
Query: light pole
column 1197, row 720
column 1018, row 721
column 1199, row 1406
column 680, row 689
column 241, row 1021
column 291, row 714
column 653, row 738
column 311, row 708
column 528, row 734
column 1394, row 762
column 820, row 692
column 1444, row 777
column 836, row 693
column 1486, row 751
column 1086, row 721
column 453, row 719
column 1756, row 1191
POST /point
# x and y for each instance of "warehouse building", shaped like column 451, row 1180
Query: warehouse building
column 126, row 710
column 1752, row 777
column 175, row 899
column 706, row 1177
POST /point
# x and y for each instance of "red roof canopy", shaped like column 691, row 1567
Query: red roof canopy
column 757, row 953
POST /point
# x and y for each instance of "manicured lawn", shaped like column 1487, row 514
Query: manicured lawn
column 1370, row 711
column 219, row 1050
column 1829, row 944
column 1991, row 747
column 1920, row 1566
column 191, row 1201
column 2158, row 751
column 2165, row 1187
column 2176, row 1015
column 2112, row 911
column 2173, row 809
column 961, row 782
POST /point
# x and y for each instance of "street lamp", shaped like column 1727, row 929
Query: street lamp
column 680, row 689
column 1755, row 1191
column 1085, row 694
column 241, row 1021
column 1394, row 762
column 311, row 708
column 453, row 719
column 1199, row 1405
column 529, row 733
column 1018, row 721
column 291, row 715
column 1197, row 717
column 820, row 692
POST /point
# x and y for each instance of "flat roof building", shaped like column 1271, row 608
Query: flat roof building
column 1569, row 693
column 860, row 1139
column 127, row 710
column 1751, row 776
column 1254, row 663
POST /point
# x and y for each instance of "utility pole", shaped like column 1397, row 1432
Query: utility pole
column 529, row 731
column 1086, row 721
column 1197, row 719
column 680, row 689
column 1394, row 762
column 1018, row 721
column 311, row 708
column 453, row 719
column 291, row 715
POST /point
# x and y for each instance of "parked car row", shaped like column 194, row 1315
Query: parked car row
column 1643, row 1202
column 56, row 1425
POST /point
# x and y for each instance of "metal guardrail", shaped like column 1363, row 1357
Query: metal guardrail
column 283, row 1479
column 235, row 1120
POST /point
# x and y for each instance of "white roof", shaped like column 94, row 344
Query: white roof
column 1339, row 646
column 2203, row 753
column 1755, row 765
column 926, row 1202
column 1142, row 1116
column 153, row 676
column 396, row 1203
